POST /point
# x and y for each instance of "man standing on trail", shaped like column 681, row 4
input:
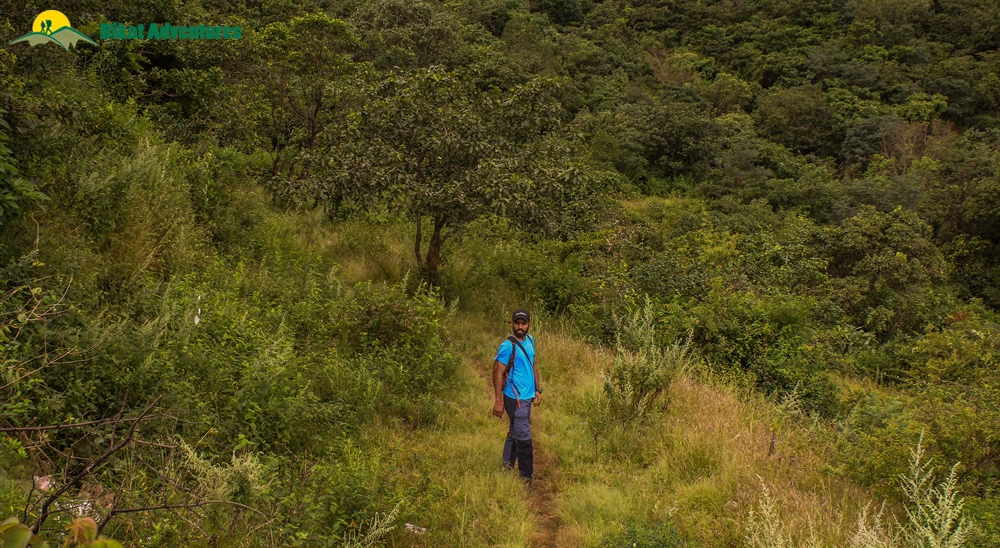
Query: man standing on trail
column 516, row 387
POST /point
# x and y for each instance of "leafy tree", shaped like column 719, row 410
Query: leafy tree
column 880, row 262
column 798, row 118
column 729, row 93
column 408, row 34
column 561, row 12
column 527, row 43
column 675, row 138
column 866, row 138
column 436, row 147
column 300, row 69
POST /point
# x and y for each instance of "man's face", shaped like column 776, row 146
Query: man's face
column 520, row 327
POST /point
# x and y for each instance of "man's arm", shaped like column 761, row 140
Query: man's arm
column 538, row 384
column 498, row 368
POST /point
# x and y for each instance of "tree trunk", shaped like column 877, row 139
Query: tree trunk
column 416, row 245
column 434, row 252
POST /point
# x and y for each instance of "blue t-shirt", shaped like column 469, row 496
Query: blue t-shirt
column 522, row 374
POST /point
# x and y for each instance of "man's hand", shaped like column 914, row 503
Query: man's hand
column 498, row 408
column 538, row 398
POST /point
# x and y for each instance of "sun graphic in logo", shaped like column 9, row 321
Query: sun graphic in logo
column 49, row 21
column 53, row 26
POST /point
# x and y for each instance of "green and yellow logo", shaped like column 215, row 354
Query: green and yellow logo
column 53, row 26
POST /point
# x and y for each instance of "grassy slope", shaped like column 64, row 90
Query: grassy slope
column 698, row 463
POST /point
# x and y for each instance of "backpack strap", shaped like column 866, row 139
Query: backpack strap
column 518, row 343
column 510, row 366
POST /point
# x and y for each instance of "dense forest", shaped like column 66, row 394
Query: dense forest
column 250, row 289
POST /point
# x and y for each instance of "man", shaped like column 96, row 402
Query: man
column 515, row 389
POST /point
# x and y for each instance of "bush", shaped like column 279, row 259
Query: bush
column 642, row 369
column 16, row 194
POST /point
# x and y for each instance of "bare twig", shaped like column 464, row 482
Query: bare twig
column 44, row 511
column 100, row 422
column 116, row 511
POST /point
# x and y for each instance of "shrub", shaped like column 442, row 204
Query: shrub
column 642, row 369
column 16, row 194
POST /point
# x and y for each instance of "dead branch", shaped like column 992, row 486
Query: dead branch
column 44, row 511
column 100, row 422
column 116, row 511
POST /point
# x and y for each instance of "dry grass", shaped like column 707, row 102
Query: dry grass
column 367, row 252
column 700, row 461
column 695, row 463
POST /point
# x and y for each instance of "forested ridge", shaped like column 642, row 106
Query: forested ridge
column 250, row 289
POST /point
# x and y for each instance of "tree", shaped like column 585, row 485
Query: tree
column 402, row 33
column 300, row 69
column 437, row 148
column 798, row 118
column 881, row 266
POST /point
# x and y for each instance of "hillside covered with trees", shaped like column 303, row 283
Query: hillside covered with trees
column 251, row 289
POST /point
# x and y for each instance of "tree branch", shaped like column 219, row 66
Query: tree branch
column 79, row 424
column 44, row 510
column 116, row 511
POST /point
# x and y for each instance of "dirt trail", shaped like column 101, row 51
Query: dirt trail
column 544, row 488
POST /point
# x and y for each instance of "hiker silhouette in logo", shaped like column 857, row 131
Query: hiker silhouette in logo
column 516, row 388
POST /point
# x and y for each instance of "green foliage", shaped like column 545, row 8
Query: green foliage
column 16, row 535
column 405, row 34
column 674, row 138
column 436, row 147
column 729, row 93
column 883, row 265
column 561, row 12
column 813, row 198
column 16, row 194
column 302, row 71
column 642, row 369
column 647, row 536
column 798, row 118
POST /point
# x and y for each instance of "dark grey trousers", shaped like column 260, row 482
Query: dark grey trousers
column 517, row 446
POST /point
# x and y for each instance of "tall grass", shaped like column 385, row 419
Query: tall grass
column 694, row 463
column 697, row 463
column 934, row 516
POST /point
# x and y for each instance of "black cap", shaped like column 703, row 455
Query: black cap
column 520, row 314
